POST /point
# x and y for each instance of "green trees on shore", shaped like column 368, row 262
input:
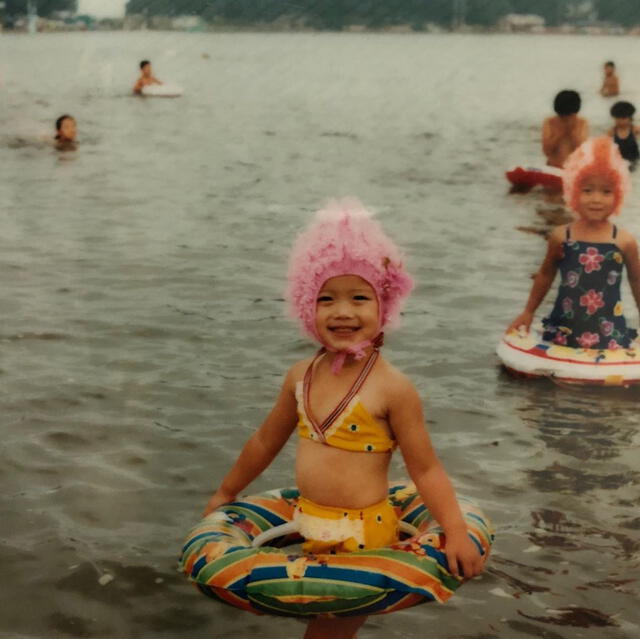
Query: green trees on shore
column 624, row 12
column 44, row 7
column 337, row 14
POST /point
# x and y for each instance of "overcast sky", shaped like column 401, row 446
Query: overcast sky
column 102, row 8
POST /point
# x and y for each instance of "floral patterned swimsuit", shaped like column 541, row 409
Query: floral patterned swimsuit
column 588, row 310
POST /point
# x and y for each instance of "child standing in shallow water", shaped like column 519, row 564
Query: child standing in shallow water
column 610, row 83
column 591, row 254
column 624, row 132
column 565, row 131
column 350, row 406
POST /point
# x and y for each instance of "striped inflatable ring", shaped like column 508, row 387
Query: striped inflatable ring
column 225, row 558
column 528, row 355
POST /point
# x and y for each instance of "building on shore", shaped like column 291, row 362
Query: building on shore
column 134, row 22
column 522, row 23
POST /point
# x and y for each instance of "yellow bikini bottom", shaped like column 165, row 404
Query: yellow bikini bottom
column 332, row 530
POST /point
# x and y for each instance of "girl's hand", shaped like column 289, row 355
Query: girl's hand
column 522, row 321
column 463, row 557
column 216, row 500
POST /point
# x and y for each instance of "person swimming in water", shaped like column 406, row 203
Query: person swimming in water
column 146, row 77
column 66, row 131
column 610, row 83
column 624, row 132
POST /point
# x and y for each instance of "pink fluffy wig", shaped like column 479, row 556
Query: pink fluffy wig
column 343, row 239
column 596, row 157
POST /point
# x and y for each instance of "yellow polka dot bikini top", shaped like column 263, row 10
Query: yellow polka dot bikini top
column 349, row 426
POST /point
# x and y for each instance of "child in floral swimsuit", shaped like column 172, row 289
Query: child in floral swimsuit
column 590, row 254
column 351, row 408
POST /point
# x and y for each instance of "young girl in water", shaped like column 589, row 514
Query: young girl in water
column 351, row 407
column 591, row 254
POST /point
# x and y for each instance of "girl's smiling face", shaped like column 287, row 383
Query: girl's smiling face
column 597, row 199
column 347, row 312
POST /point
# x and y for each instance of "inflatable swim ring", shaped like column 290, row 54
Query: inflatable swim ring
column 162, row 91
column 526, row 178
column 529, row 355
column 238, row 555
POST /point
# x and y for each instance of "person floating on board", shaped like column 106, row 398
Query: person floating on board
column 146, row 77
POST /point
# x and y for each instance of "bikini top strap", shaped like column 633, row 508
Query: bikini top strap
column 306, row 387
column 615, row 232
column 353, row 391
column 355, row 388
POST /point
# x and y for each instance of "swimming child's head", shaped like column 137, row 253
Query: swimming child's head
column 345, row 257
column 145, row 67
column 567, row 102
column 66, row 128
column 599, row 159
column 622, row 110
column 609, row 67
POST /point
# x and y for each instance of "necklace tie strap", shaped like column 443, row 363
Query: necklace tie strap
column 353, row 391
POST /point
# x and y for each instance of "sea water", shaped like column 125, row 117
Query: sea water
column 144, row 338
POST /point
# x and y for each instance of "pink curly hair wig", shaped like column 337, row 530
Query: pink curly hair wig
column 343, row 239
column 596, row 157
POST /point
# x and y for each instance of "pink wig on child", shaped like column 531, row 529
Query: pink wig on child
column 597, row 157
column 343, row 239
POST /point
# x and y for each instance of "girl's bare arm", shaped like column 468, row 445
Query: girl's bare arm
column 261, row 448
column 629, row 248
column 542, row 281
column 428, row 474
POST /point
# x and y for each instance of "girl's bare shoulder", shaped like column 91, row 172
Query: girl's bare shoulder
column 559, row 234
column 393, row 379
column 296, row 372
column 556, row 241
column 625, row 240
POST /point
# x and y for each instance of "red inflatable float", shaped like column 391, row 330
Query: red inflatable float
column 526, row 178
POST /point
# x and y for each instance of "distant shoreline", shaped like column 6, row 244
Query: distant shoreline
column 511, row 24
column 398, row 29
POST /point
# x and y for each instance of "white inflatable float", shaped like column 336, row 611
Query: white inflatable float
column 162, row 91
column 528, row 355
